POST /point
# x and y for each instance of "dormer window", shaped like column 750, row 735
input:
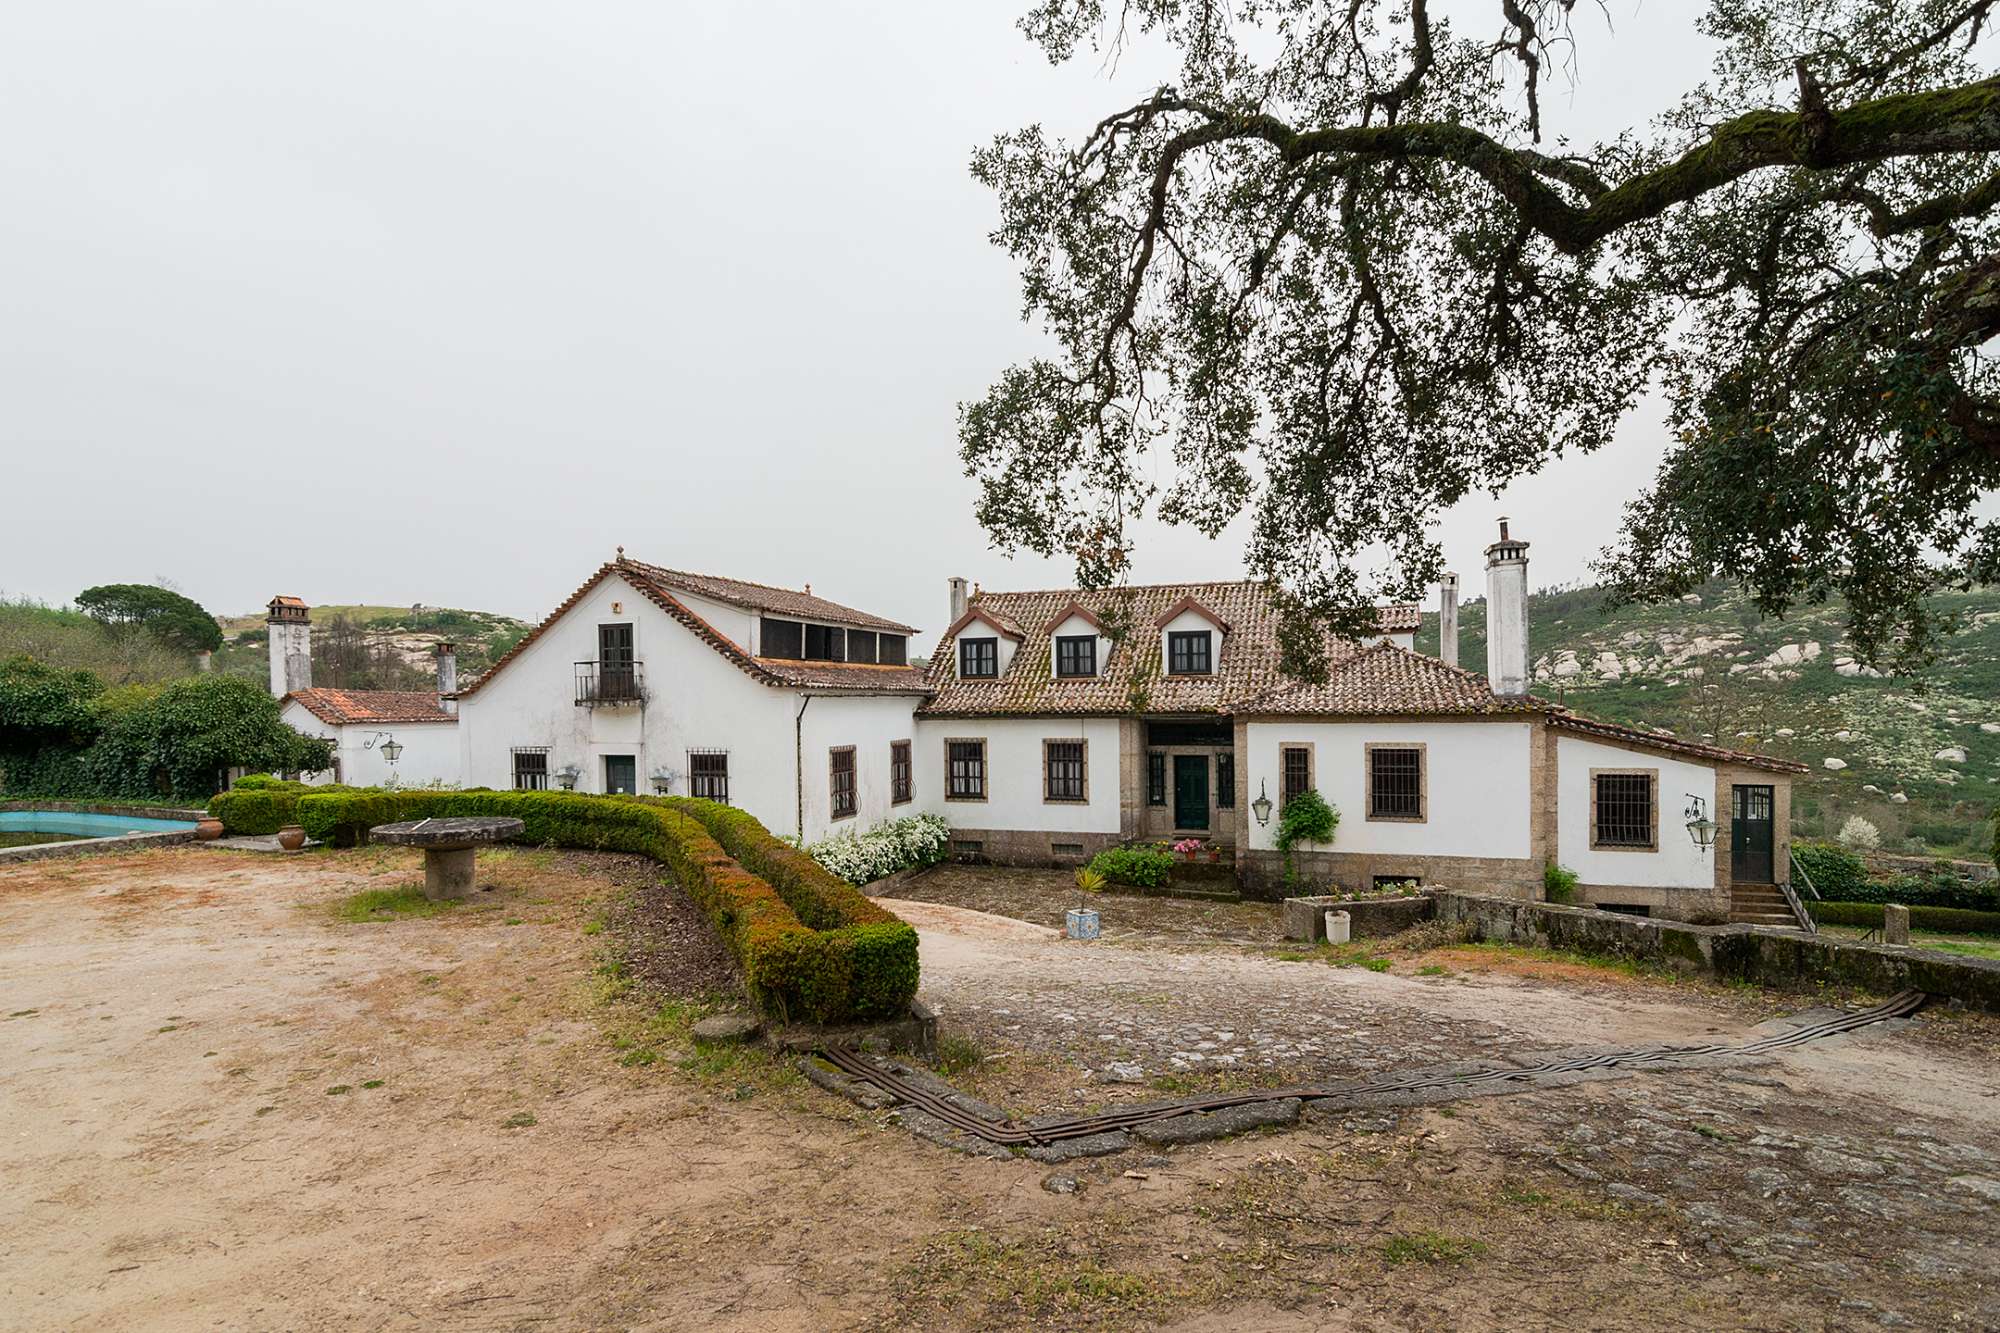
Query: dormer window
column 978, row 658
column 1076, row 655
column 1189, row 653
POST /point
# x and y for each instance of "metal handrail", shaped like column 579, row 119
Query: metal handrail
column 1806, row 922
column 610, row 683
column 1800, row 866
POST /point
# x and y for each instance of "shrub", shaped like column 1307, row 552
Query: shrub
column 1141, row 865
column 1857, row 834
column 861, row 965
column 1932, row 890
column 863, row 858
column 1306, row 818
column 1836, row 873
column 258, row 805
column 1559, row 883
column 1945, row 920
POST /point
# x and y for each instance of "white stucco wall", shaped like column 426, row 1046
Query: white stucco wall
column 1676, row 863
column 431, row 750
column 1188, row 622
column 1014, row 778
column 697, row 699
column 1076, row 626
column 1478, row 802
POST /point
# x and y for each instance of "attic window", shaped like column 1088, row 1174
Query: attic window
column 895, row 650
column 783, row 638
column 1188, row 653
column 826, row 643
column 978, row 657
column 1076, row 655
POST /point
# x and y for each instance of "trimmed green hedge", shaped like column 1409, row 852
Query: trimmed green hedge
column 859, row 963
column 1141, row 865
column 1949, row 920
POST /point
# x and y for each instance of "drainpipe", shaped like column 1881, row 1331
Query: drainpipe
column 799, row 763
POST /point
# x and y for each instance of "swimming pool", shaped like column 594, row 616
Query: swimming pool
column 81, row 824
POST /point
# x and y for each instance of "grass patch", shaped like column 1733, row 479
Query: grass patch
column 373, row 1083
column 955, row 1055
column 339, row 1090
column 1052, row 1278
column 520, row 1120
column 389, row 904
column 1428, row 1246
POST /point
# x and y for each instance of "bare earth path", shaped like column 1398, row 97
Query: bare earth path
column 222, row 1106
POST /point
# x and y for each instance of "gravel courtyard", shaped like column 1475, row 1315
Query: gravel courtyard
column 237, row 1098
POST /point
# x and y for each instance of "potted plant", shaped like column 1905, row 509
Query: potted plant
column 1081, row 922
column 1188, row 847
column 208, row 828
column 291, row 837
column 1215, row 852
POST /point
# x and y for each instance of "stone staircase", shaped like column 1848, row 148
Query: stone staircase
column 1760, row 905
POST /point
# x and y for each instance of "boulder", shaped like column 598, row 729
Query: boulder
column 728, row 1027
column 1898, row 798
column 1832, row 764
column 1950, row 754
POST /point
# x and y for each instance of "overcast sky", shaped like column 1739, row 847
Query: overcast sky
column 440, row 302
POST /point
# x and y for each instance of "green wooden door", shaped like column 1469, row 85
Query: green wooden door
column 1191, row 791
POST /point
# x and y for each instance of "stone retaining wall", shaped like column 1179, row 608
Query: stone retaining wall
column 131, row 842
column 1783, row 959
column 1305, row 918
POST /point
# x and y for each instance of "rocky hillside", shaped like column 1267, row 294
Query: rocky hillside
column 378, row 647
column 1919, row 758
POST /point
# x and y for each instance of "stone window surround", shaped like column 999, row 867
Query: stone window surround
column 1597, row 846
column 910, row 768
column 1083, row 744
column 1423, row 782
column 1312, row 766
column 985, row 769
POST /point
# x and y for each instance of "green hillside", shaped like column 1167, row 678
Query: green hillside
column 1710, row 668
column 377, row 647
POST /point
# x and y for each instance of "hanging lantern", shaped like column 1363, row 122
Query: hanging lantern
column 391, row 751
column 1261, row 807
column 1699, row 826
column 663, row 780
column 567, row 776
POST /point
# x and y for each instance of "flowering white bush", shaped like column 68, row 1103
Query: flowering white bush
column 1858, row 835
column 861, row 858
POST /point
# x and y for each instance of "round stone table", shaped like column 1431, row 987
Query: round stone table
column 448, row 847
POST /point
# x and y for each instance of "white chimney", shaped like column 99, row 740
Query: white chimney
column 447, row 677
column 204, row 660
column 1448, row 620
column 1507, row 615
column 957, row 599
column 290, row 629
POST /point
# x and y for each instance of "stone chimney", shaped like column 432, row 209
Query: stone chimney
column 1448, row 620
column 957, row 599
column 447, row 676
column 204, row 661
column 1507, row 615
column 290, row 628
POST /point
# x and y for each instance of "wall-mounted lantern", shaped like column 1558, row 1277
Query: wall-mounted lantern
column 1699, row 826
column 1261, row 807
column 663, row 780
column 391, row 751
column 567, row 776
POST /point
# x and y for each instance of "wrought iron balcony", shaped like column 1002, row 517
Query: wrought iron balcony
column 609, row 683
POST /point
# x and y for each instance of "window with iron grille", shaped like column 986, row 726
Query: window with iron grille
column 1156, row 778
column 902, row 781
column 1225, row 781
column 861, row 645
column 1187, row 653
column 782, row 638
column 1623, row 811
column 1063, row 761
column 979, row 657
column 826, row 643
column 843, row 781
column 1395, row 783
column 1297, row 768
column 708, row 775
column 966, row 761
column 531, row 768
column 1076, row 654
column 895, row 650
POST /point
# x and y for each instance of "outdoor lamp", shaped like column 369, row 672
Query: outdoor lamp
column 567, row 776
column 1699, row 826
column 663, row 778
column 391, row 751
column 1262, row 805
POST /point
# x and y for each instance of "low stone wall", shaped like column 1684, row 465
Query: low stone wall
column 1263, row 873
column 1027, row 848
column 131, row 842
column 1785, row 960
column 1305, row 918
column 108, row 808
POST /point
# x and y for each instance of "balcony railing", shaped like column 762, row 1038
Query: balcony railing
column 609, row 683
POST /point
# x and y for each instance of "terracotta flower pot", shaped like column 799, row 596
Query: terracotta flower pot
column 291, row 837
column 210, row 828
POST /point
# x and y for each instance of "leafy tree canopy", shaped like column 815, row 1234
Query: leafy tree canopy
column 161, row 612
column 1337, row 276
column 44, row 705
column 179, row 741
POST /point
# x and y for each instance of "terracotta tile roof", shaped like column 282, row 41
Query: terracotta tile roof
column 1194, row 604
column 1400, row 618
column 342, row 707
column 977, row 614
column 1614, row 732
column 856, row 677
column 763, row 597
column 1383, row 680
column 282, row 600
column 1247, row 666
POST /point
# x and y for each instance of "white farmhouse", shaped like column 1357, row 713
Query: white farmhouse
column 648, row 679
column 1060, row 723
column 380, row 737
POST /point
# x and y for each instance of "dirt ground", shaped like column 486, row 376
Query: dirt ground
column 227, row 1104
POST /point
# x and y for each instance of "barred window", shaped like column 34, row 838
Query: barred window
column 978, row 657
column 1297, row 773
column 708, row 775
column 531, row 768
column 843, row 781
column 1076, row 655
column 1395, row 784
column 1187, row 653
column 1623, row 810
column 1156, row 778
column 1225, row 780
column 967, row 762
column 1063, row 761
column 902, row 781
